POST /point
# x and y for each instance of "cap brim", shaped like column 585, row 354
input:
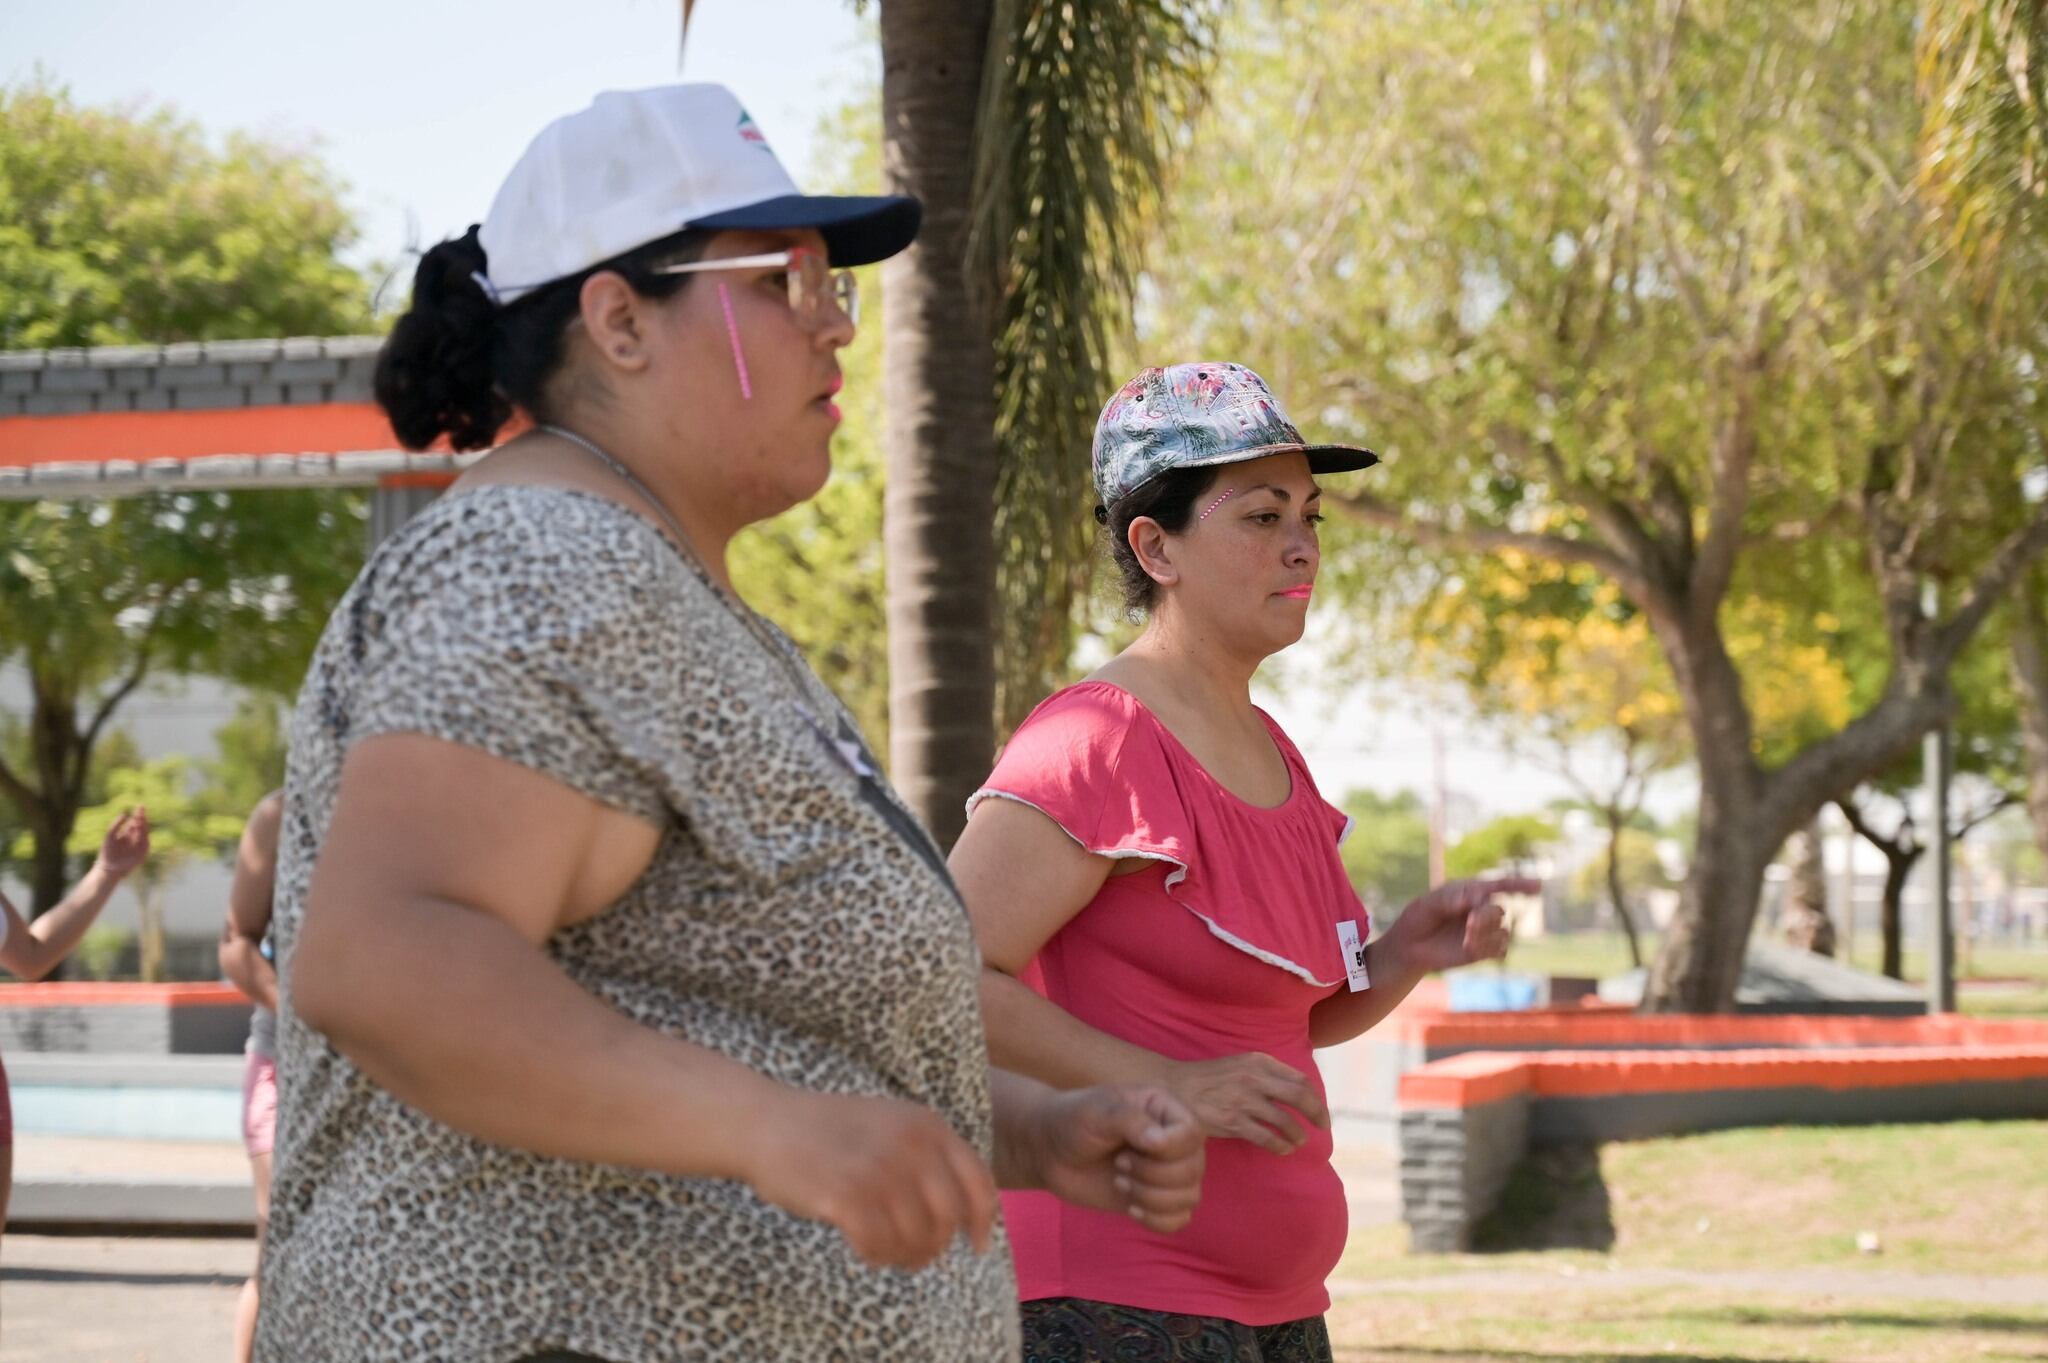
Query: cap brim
column 858, row 229
column 1321, row 458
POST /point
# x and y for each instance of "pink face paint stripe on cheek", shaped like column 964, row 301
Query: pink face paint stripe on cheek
column 732, row 331
column 1218, row 502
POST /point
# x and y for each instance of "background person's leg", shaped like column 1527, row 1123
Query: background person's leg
column 245, row 1305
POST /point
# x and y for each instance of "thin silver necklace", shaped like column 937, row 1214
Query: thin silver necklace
column 745, row 614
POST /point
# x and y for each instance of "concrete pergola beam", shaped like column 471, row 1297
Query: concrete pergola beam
column 114, row 421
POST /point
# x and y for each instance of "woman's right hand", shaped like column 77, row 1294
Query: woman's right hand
column 1250, row 1097
column 890, row 1176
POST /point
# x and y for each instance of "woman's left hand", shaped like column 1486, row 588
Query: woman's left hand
column 1458, row 923
column 1131, row 1149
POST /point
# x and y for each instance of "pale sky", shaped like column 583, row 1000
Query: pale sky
column 422, row 105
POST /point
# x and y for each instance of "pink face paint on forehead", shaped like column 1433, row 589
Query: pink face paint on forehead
column 1218, row 502
column 732, row 331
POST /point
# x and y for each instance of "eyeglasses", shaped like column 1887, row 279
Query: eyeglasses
column 814, row 286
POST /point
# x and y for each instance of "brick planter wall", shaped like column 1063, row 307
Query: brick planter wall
column 123, row 1019
column 1467, row 1120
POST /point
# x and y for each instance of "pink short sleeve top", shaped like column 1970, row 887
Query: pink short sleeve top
column 1222, row 947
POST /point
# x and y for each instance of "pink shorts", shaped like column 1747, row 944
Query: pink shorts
column 259, row 1104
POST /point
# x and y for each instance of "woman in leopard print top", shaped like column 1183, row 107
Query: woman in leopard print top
column 626, row 1013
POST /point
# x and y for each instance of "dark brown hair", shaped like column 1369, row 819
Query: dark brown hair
column 458, row 364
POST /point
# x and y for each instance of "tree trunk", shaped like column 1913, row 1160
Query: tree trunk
column 1700, row 961
column 1614, row 890
column 1898, row 869
column 56, row 750
column 938, row 384
column 149, row 936
column 2030, row 683
column 1804, row 919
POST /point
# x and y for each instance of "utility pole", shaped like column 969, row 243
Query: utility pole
column 1436, row 806
column 1941, row 939
column 1848, row 889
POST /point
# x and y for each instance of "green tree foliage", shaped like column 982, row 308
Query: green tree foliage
column 1506, row 845
column 1082, row 118
column 126, row 227
column 119, row 226
column 250, row 756
column 1387, row 852
column 1643, row 288
column 181, row 828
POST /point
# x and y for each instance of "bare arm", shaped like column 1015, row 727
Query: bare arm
column 33, row 950
column 1134, row 1150
column 249, row 896
column 1024, row 879
column 420, row 959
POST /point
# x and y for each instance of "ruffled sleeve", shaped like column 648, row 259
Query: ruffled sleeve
column 1086, row 760
column 1267, row 881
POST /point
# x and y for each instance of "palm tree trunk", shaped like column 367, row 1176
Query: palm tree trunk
column 938, row 381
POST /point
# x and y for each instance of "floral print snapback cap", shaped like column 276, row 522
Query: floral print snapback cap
column 1194, row 415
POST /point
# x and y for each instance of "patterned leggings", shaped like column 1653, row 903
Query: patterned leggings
column 1071, row 1330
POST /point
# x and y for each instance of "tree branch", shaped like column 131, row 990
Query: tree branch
column 113, row 700
column 2005, row 566
column 1619, row 521
column 1733, row 453
column 2006, row 800
column 16, row 789
column 1487, row 539
column 1895, row 845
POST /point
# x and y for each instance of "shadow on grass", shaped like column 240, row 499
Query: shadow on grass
column 1556, row 1198
column 1832, row 1316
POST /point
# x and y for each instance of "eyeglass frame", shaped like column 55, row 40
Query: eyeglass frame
column 844, row 289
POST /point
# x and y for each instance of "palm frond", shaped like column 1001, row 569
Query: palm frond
column 1084, row 106
column 1983, row 77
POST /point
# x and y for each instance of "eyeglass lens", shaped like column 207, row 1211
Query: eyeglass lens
column 815, row 286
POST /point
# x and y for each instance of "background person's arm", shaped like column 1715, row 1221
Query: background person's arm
column 1024, row 879
column 242, row 962
column 33, row 950
column 420, row 958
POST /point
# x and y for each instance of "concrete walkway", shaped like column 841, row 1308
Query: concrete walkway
column 66, row 1299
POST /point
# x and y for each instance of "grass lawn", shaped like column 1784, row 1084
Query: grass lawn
column 1783, row 1207
column 1676, row 1324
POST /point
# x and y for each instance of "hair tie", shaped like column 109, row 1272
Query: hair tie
column 490, row 290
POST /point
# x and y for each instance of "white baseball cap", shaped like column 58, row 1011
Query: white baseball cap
column 640, row 165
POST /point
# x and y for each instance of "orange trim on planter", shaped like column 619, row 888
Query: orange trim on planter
column 96, row 437
column 1487, row 1076
column 1466, row 1081
column 87, row 993
column 1573, row 1029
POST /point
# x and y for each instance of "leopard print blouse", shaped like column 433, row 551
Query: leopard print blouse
column 794, row 918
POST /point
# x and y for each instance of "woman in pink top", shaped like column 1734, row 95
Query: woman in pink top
column 1156, row 887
